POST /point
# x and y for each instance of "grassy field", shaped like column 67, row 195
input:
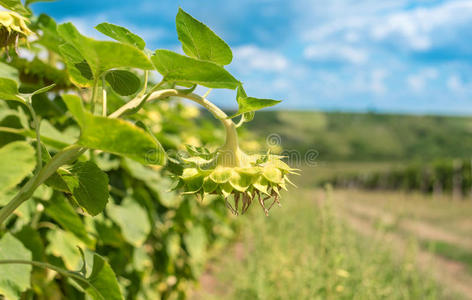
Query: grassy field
column 316, row 247
column 351, row 244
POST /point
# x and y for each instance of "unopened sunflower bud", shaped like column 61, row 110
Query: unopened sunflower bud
column 261, row 179
column 12, row 28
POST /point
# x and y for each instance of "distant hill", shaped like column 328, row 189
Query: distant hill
column 368, row 137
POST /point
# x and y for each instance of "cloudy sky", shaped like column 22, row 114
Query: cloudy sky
column 351, row 55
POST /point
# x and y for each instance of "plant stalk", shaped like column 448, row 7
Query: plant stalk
column 104, row 99
column 231, row 154
column 43, row 265
column 61, row 158
column 36, row 123
column 93, row 99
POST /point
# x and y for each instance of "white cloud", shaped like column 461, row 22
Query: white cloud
column 372, row 81
column 418, row 29
column 254, row 58
column 455, row 84
column 417, row 82
column 339, row 53
column 281, row 84
column 377, row 83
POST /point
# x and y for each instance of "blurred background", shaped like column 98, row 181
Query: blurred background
column 377, row 97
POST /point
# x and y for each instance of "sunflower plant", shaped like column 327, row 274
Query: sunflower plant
column 90, row 188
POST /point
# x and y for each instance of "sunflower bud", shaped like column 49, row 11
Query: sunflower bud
column 12, row 28
column 260, row 178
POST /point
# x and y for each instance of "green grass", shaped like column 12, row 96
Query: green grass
column 303, row 251
column 450, row 251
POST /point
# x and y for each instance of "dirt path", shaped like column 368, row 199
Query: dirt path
column 452, row 274
column 419, row 229
column 364, row 218
column 209, row 284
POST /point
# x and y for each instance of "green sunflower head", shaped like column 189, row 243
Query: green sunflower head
column 12, row 28
column 260, row 178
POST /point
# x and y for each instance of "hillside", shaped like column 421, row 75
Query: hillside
column 368, row 137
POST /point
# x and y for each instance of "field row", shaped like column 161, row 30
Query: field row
column 319, row 247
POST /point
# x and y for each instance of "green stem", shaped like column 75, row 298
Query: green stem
column 61, row 158
column 15, row 130
column 137, row 102
column 231, row 150
column 104, row 98
column 143, row 91
column 36, row 122
column 93, row 99
column 51, row 267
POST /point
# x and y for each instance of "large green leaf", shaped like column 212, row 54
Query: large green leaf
column 250, row 104
column 31, row 239
column 9, row 90
column 78, row 68
column 187, row 70
column 89, row 185
column 28, row 2
column 65, row 245
column 63, row 213
column 49, row 37
column 121, row 34
column 14, row 279
column 50, row 133
column 102, row 56
column 115, row 135
column 17, row 160
column 132, row 219
column 159, row 185
column 201, row 42
column 16, row 6
column 102, row 283
column 6, row 71
column 123, row 82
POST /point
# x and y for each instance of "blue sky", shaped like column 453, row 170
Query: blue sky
column 351, row 55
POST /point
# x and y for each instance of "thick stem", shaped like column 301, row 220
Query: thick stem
column 61, row 158
column 231, row 155
column 36, row 123
column 93, row 100
column 143, row 91
column 104, row 99
column 137, row 102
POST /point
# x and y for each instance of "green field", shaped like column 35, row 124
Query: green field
column 332, row 245
column 352, row 244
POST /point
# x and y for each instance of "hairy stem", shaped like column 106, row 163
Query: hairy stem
column 104, row 99
column 231, row 146
column 61, row 158
column 36, row 123
column 93, row 99
column 143, row 91
column 230, row 154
